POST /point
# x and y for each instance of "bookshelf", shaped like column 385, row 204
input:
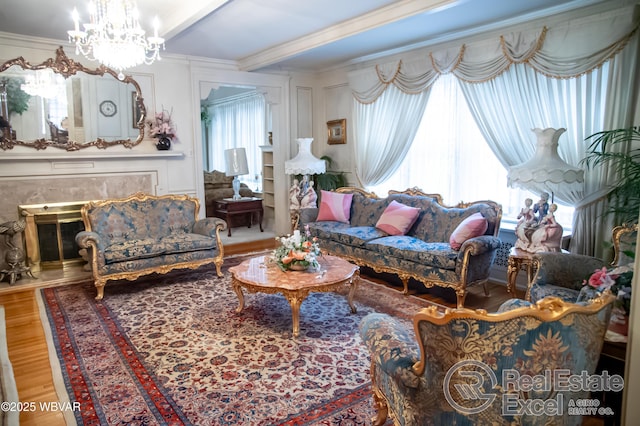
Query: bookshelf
column 268, row 191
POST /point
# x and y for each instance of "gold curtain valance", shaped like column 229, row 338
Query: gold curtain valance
column 565, row 50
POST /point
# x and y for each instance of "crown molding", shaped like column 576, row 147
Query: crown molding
column 391, row 13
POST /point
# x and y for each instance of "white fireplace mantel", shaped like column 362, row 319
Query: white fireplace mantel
column 93, row 155
column 36, row 177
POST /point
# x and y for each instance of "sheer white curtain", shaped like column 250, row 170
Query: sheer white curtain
column 528, row 79
column 623, row 88
column 238, row 123
column 520, row 99
column 450, row 157
column 385, row 131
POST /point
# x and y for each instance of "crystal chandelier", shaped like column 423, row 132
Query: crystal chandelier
column 114, row 37
column 44, row 83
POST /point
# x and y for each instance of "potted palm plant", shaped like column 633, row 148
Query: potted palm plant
column 620, row 150
column 330, row 179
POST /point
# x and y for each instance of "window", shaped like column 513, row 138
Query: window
column 449, row 156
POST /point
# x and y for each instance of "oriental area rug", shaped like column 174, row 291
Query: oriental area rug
column 171, row 350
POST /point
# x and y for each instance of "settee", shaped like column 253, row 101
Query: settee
column 144, row 234
column 451, row 247
column 469, row 367
column 217, row 186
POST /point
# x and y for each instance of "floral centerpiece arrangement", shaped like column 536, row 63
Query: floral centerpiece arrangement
column 162, row 128
column 297, row 252
column 618, row 281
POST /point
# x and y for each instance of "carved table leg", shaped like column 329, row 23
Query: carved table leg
column 295, row 300
column 512, row 274
column 352, row 291
column 238, row 290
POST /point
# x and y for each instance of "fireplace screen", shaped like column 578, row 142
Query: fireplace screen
column 50, row 235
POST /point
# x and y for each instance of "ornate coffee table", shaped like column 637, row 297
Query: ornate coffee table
column 258, row 275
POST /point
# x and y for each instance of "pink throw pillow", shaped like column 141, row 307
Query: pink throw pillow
column 473, row 226
column 335, row 206
column 397, row 218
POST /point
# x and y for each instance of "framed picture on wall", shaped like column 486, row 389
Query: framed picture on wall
column 337, row 131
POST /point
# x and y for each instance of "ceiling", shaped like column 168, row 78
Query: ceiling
column 298, row 35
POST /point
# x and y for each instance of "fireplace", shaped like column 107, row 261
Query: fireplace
column 50, row 234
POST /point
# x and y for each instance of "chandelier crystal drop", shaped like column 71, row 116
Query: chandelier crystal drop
column 114, row 37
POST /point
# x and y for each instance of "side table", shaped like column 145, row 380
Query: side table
column 520, row 259
column 227, row 208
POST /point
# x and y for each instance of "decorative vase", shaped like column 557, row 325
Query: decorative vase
column 164, row 143
column 299, row 266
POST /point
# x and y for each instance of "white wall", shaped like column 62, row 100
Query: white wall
column 331, row 100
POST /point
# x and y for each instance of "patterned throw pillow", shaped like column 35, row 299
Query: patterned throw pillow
column 334, row 207
column 397, row 218
column 473, row 226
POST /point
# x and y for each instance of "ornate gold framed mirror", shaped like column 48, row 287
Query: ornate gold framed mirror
column 62, row 104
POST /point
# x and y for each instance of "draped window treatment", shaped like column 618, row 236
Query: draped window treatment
column 524, row 80
column 237, row 123
column 387, row 129
column 537, row 101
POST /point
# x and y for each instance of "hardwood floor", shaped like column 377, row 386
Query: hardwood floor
column 29, row 357
column 29, row 353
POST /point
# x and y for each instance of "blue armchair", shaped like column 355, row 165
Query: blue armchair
column 561, row 274
column 462, row 366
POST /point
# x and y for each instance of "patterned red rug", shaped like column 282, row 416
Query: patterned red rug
column 172, row 350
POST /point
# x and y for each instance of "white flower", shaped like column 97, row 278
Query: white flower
column 297, row 249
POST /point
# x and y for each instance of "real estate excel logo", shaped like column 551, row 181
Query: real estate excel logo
column 471, row 386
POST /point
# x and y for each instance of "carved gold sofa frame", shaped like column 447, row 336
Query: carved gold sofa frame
column 144, row 234
column 424, row 253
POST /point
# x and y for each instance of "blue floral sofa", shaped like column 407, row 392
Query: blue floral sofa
column 143, row 234
column 424, row 253
column 468, row 367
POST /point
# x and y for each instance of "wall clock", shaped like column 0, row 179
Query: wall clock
column 108, row 108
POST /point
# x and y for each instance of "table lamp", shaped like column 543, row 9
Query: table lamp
column 305, row 163
column 236, row 161
column 545, row 172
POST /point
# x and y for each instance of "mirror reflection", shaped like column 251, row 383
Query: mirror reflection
column 62, row 104
column 235, row 117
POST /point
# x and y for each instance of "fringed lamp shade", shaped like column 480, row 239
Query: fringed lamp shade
column 545, row 171
column 305, row 163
